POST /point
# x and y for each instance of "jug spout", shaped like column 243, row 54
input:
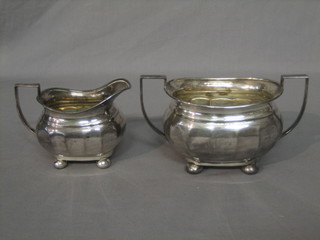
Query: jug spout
column 68, row 101
column 115, row 87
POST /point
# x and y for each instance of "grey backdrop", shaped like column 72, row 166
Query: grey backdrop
column 146, row 194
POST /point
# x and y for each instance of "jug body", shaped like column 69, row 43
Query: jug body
column 90, row 136
column 79, row 125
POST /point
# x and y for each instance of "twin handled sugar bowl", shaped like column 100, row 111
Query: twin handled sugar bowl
column 226, row 122
column 78, row 125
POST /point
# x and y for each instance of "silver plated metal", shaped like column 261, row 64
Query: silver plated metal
column 60, row 164
column 250, row 169
column 104, row 163
column 78, row 125
column 194, row 168
column 227, row 122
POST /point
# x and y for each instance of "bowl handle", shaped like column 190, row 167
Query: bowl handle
column 16, row 93
column 306, row 78
column 142, row 77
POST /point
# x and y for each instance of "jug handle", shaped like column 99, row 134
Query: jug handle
column 142, row 77
column 16, row 93
column 306, row 78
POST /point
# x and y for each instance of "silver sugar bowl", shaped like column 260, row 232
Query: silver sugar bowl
column 223, row 122
column 78, row 125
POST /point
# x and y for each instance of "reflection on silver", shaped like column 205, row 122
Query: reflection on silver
column 78, row 125
column 223, row 121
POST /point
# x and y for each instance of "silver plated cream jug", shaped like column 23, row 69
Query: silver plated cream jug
column 78, row 125
column 224, row 122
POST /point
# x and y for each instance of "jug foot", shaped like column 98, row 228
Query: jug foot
column 104, row 163
column 59, row 164
column 193, row 168
column 250, row 169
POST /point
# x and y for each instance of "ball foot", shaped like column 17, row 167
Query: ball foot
column 250, row 169
column 193, row 168
column 104, row 163
column 60, row 164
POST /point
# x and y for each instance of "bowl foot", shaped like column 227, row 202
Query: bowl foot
column 250, row 169
column 193, row 168
column 60, row 164
column 104, row 163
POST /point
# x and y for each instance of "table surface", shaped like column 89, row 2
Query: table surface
column 146, row 193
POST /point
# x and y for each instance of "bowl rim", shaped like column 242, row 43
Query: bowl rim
column 276, row 95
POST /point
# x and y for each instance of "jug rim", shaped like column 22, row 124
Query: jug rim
column 170, row 92
column 77, row 92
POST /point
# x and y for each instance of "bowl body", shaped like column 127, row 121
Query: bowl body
column 222, row 122
column 222, row 137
